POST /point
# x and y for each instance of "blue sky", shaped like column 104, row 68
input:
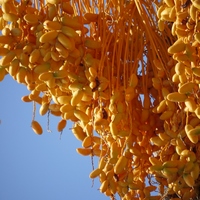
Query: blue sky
column 39, row 167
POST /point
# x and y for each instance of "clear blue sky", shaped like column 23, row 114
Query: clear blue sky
column 39, row 167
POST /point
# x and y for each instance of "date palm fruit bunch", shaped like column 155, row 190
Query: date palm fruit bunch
column 182, row 17
column 126, row 74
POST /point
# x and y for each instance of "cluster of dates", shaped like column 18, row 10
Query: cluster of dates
column 105, row 67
